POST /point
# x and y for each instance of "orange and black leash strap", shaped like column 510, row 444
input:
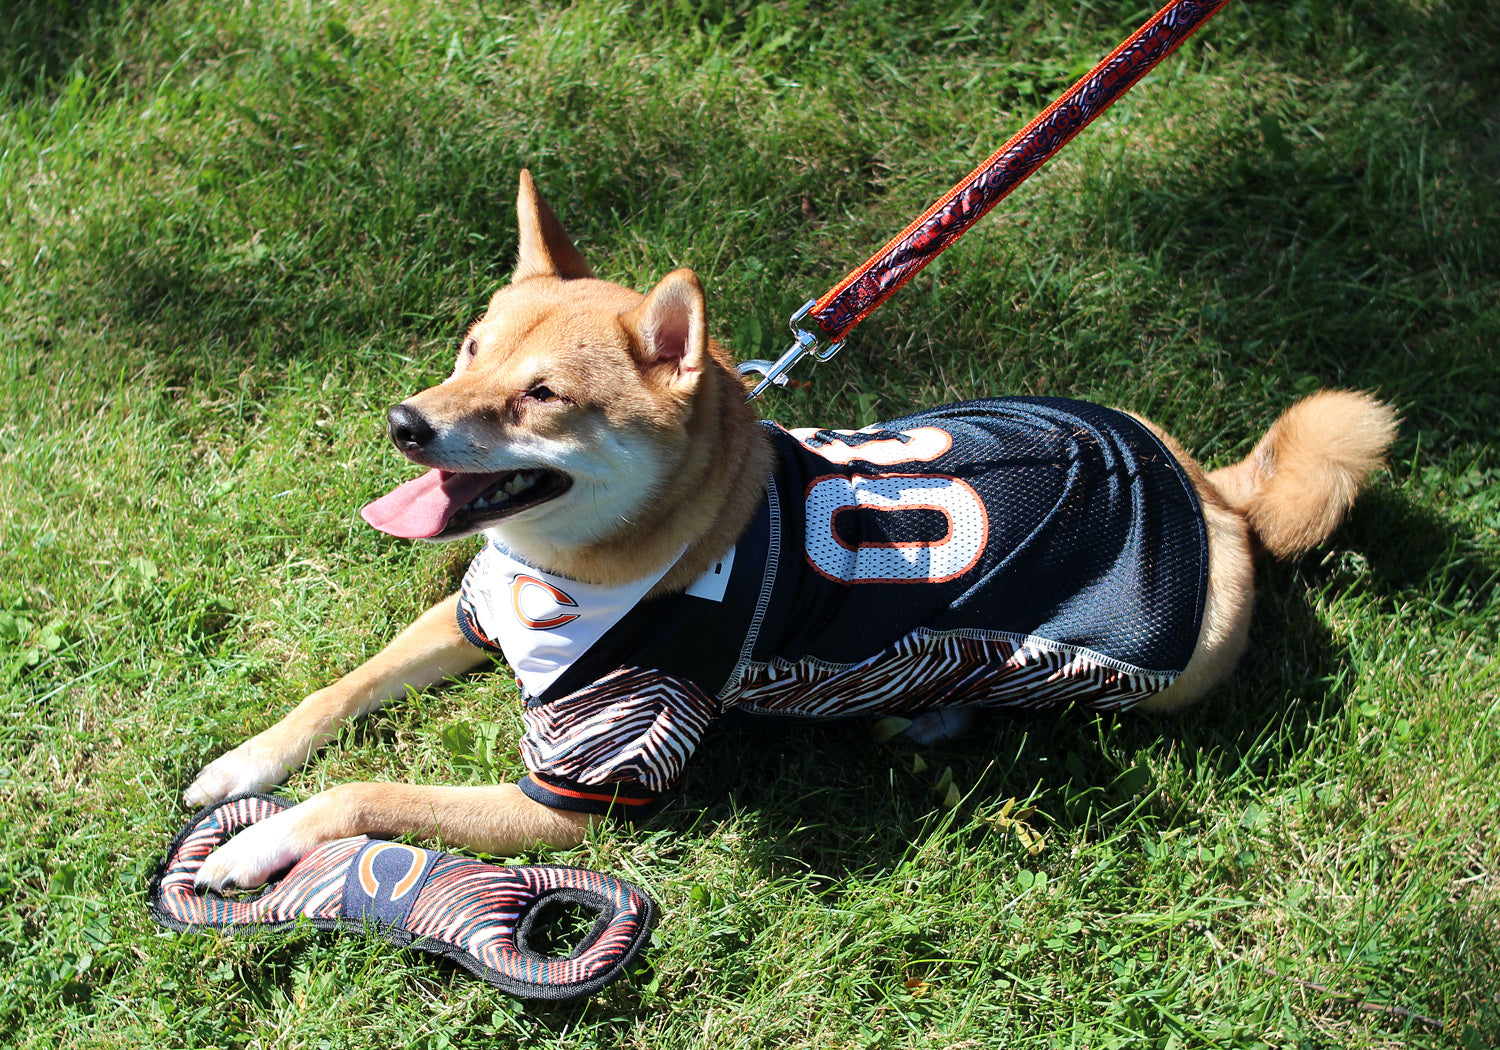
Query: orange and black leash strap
column 869, row 285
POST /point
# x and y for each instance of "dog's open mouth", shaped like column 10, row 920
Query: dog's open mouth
column 444, row 505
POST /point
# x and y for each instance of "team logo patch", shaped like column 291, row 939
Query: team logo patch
column 539, row 605
column 382, row 883
column 401, row 870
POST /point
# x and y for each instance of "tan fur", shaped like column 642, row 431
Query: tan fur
column 1286, row 497
column 1225, row 631
column 640, row 371
column 1303, row 475
column 494, row 818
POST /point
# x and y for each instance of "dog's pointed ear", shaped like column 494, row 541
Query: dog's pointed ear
column 671, row 329
column 546, row 248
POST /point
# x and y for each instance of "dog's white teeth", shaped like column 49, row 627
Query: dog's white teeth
column 512, row 486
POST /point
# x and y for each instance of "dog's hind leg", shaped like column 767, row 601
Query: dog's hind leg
column 939, row 726
column 1286, row 497
column 431, row 649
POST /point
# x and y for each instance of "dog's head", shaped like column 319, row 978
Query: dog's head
column 569, row 410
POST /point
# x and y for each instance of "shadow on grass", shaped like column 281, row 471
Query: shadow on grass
column 1413, row 553
column 1331, row 253
column 44, row 38
column 825, row 799
column 824, row 807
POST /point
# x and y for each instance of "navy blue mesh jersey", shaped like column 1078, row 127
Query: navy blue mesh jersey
column 1015, row 552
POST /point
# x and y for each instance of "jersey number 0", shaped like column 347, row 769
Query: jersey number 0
column 893, row 528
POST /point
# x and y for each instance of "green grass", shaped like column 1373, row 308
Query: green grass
column 233, row 233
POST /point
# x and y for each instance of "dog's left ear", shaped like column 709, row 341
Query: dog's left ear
column 546, row 249
column 671, row 329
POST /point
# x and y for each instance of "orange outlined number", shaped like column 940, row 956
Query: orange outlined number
column 919, row 445
column 939, row 556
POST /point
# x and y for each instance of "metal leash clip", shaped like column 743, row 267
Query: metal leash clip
column 803, row 342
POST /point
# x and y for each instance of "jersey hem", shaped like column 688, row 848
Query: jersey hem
column 617, row 801
column 779, row 666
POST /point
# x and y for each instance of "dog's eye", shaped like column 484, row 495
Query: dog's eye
column 542, row 393
column 471, row 347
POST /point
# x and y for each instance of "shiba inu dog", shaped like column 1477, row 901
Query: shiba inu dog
column 657, row 558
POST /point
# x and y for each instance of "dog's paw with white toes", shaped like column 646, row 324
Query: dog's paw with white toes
column 250, row 767
column 254, row 855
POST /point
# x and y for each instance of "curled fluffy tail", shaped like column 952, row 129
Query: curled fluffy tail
column 1295, row 487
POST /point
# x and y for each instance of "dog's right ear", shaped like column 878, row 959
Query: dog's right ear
column 546, row 248
column 671, row 331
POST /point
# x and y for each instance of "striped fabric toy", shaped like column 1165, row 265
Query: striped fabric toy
column 484, row 917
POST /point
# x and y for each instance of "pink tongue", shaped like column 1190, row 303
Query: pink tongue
column 420, row 509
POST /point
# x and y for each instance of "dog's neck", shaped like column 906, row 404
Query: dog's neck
column 701, row 511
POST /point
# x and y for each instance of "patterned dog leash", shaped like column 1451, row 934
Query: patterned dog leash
column 855, row 297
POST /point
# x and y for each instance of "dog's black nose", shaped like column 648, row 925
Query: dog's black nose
column 408, row 428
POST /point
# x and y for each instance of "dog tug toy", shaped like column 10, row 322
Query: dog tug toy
column 485, row 917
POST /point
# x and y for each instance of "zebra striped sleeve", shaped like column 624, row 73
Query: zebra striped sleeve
column 619, row 743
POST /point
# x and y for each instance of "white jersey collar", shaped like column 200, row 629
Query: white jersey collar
column 543, row 622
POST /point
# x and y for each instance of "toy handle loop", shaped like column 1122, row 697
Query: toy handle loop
column 515, row 946
column 174, row 901
column 548, row 908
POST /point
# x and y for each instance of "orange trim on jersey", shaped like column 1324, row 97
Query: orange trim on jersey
column 613, row 799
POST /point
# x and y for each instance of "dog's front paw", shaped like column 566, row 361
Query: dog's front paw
column 253, row 766
column 264, row 850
